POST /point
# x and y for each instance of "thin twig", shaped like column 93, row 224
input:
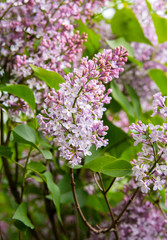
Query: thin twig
column 110, row 185
column 77, row 230
column 109, row 207
column 95, row 230
column 95, row 178
column 126, row 206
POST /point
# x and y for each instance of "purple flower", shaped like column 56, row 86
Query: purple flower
column 74, row 112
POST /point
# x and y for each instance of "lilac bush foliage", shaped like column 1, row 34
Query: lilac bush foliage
column 150, row 169
column 45, row 33
column 152, row 56
column 75, row 110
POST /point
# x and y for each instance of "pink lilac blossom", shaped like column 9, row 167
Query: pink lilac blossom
column 150, row 169
column 142, row 220
column 18, row 109
column 74, row 112
column 44, row 30
column 41, row 33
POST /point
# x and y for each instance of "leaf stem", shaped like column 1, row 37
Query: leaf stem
column 112, row 182
column 24, row 173
column 95, row 178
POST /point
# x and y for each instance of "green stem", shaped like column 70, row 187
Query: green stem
column 24, row 173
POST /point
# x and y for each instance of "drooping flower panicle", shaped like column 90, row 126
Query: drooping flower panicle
column 74, row 112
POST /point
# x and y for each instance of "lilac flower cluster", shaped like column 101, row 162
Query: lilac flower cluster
column 142, row 220
column 151, row 166
column 74, row 111
column 41, row 33
column 18, row 110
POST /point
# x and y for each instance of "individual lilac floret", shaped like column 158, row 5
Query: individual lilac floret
column 73, row 114
column 150, row 168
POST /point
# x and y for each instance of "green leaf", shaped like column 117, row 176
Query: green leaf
column 52, row 79
column 25, row 134
column 135, row 101
column 125, row 24
column 21, row 215
column 95, row 154
column 97, row 164
column 121, row 42
column 93, row 42
column 122, row 100
column 159, row 77
column 163, row 195
column 36, row 166
column 66, row 195
column 110, row 166
column 119, row 141
column 46, row 153
column 134, row 60
column 5, row 152
column 118, row 168
column 115, row 197
column 160, row 24
column 21, row 91
column 130, row 153
column 97, row 203
column 54, row 191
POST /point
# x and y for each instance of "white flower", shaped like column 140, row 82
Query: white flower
column 158, row 184
column 143, row 185
column 139, row 171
